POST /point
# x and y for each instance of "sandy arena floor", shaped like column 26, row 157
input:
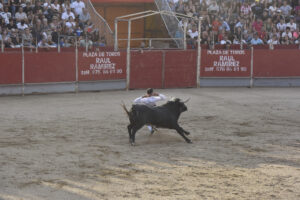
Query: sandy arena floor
column 246, row 145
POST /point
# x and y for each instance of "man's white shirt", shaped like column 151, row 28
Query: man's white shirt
column 149, row 100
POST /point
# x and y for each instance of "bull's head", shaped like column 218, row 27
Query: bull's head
column 182, row 107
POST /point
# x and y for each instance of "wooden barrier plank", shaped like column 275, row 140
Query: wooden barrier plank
column 180, row 69
column 45, row 67
column 276, row 63
column 11, row 68
column 146, row 69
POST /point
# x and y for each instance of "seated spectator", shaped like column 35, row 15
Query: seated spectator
column 77, row 7
column 15, row 39
column 225, row 40
column 291, row 24
column 5, row 15
column 70, row 23
column 11, row 24
column 286, row 40
column 287, row 33
column 20, row 15
column 27, row 38
column 273, row 40
column 256, row 40
column 21, row 25
column 257, row 25
column 281, row 26
column 67, row 14
column 296, row 34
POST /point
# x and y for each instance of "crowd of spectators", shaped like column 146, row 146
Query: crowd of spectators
column 249, row 22
column 46, row 23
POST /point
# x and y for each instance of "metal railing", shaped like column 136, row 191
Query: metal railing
column 171, row 22
column 100, row 23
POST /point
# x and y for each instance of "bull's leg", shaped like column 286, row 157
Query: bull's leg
column 184, row 131
column 181, row 132
column 129, row 127
column 135, row 128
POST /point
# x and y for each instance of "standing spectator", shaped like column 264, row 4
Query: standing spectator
column 273, row 8
column 286, row 9
column 213, row 8
column 77, row 7
column 245, row 9
column 257, row 9
column 84, row 17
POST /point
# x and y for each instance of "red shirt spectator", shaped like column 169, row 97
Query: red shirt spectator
column 257, row 25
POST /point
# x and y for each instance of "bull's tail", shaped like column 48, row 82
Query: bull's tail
column 124, row 107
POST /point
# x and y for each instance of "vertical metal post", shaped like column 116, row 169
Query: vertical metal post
column 251, row 72
column 58, row 44
column 23, row 68
column 86, row 44
column 2, row 46
column 116, row 35
column 199, row 54
column 76, row 65
column 128, row 56
column 241, row 45
column 150, row 43
column 163, row 68
column 36, row 45
column 184, row 34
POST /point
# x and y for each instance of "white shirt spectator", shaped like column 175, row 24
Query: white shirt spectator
column 5, row 16
column 245, row 9
column 281, row 26
column 192, row 34
column 66, row 15
column 70, row 24
column 55, row 7
column 289, row 34
column 1, row 6
column 22, row 27
column 78, row 6
column 20, row 16
column 272, row 9
column 274, row 42
column 293, row 26
column 286, row 9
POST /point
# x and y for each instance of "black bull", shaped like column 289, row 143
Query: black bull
column 164, row 116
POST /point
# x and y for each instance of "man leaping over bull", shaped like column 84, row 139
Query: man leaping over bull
column 150, row 99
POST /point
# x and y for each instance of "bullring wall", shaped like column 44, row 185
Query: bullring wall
column 76, row 70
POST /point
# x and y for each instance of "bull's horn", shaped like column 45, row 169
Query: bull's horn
column 186, row 100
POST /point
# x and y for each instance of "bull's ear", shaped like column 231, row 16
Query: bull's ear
column 177, row 100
